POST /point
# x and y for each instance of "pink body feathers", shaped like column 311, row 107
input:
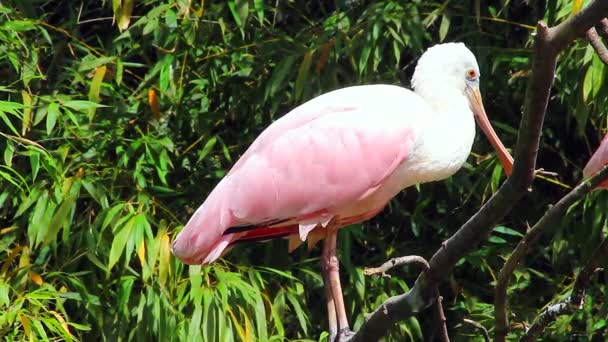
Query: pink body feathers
column 330, row 157
column 598, row 160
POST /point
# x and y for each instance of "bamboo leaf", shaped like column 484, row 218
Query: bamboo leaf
column 27, row 112
column 119, row 243
column 164, row 263
column 95, row 89
column 51, row 117
column 124, row 14
column 303, row 73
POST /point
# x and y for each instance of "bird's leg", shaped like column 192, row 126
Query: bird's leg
column 331, row 269
column 329, row 298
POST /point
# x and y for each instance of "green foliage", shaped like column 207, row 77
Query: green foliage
column 117, row 118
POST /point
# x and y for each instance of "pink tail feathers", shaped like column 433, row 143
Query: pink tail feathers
column 202, row 240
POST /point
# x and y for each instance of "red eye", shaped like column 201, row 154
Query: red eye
column 471, row 74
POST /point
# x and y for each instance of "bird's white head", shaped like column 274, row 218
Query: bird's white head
column 447, row 67
column 449, row 72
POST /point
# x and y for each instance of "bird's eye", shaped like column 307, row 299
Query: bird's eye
column 471, row 75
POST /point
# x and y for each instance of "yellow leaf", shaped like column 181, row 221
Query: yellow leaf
column 11, row 256
column 35, row 277
column 27, row 328
column 576, row 6
column 7, row 229
column 24, row 260
column 237, row 325
column 248, row 331
column 124, row 14
column 141, row 252
column 95, row 89
column 61, row 320
column 153, row 102
column 164, row 266
column 27, row 112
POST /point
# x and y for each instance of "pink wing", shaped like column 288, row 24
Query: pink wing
column 598, row 160
column 326, row 154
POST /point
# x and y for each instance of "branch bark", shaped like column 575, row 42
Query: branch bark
column 549, row 42
column 551, row 217
column 420, row 261
column 575, row 301
column 603, row 28
column 598, row 45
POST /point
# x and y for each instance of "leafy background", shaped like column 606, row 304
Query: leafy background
column 118, row 117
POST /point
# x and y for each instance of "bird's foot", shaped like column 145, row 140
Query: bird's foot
column 344, row 335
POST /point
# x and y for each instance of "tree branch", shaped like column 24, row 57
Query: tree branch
column 597, row 44
column 420, row 261
column 484, row 331
column 575, row 301
column 603, row 28
column 549, row 41
column 551, row 217
column 410, row 259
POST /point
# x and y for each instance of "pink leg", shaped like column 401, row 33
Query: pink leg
column 331, row 277
column 331, row 307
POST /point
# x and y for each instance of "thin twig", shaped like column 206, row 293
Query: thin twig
column 443, row 328
column 421, row 262
column 409, row 259
column 551, row 217
column 597, row 44
column 575, row 301
column 483, row 329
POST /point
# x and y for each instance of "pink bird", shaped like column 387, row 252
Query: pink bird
column 339, row 158
column 598, row 160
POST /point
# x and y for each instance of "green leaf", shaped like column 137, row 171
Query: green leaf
column 18, row 25
column 95, row 89
column 444, row 27
column 81, row 105
column 507, row 231
column 281, row 71
column 496, row 239
column 119, row 243
column 303, row 73
column 51, row 117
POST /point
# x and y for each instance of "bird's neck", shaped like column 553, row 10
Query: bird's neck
column 446, row 139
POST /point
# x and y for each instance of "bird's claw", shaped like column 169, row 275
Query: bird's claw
column 344, row 334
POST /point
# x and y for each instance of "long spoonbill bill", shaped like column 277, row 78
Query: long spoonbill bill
column 339, row 158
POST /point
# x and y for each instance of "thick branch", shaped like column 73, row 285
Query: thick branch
column 548, row 43
column 551, row 217
column 575, row 301
column 597, row 44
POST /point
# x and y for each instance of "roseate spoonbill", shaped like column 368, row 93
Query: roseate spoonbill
column 598, row 160
column 339, row 158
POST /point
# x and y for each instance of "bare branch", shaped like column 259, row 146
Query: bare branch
column 410, row 259
column 420, row 261
column 603, row 28
column 548, row 43
column 551, row 217
column 443, row 329
column 483, row 329
column 575, row 301
column 597, row 44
